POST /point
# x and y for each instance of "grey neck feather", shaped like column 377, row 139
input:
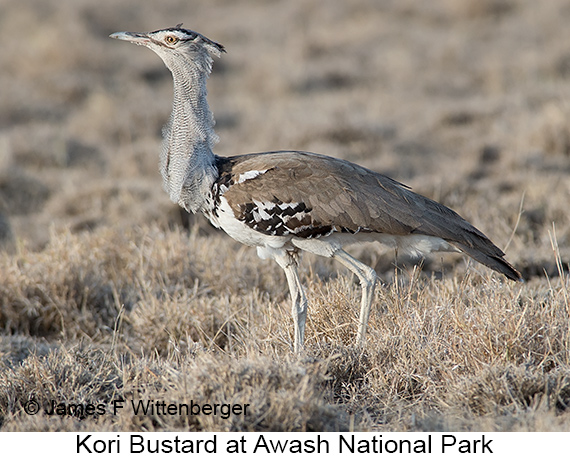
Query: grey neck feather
column 186, row 160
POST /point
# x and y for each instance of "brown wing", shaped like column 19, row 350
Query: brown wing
column 330, row 192
column 311, row 195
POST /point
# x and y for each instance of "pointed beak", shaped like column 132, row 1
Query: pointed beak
column 136, row 38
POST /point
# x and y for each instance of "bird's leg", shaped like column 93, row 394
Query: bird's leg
column 288, row 262
column 367, row 278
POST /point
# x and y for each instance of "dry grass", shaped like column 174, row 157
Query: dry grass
column 109, row 293
column 145, row 314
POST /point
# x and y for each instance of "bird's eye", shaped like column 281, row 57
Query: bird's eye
column 171, row 39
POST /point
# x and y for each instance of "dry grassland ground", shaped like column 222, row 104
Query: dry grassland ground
column 108, row 292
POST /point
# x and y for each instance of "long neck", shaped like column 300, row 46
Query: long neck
column 187, row 160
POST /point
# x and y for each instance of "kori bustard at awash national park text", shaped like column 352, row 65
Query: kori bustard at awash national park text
column 283, row 202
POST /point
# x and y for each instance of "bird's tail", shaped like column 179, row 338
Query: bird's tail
column 493, row 260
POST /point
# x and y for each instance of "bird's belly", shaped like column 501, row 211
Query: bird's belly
column 327, row 245
column 241, row 232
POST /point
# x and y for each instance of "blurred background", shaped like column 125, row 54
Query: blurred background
column 467, row 101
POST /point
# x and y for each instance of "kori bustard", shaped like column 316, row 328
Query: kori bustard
column 283, row 202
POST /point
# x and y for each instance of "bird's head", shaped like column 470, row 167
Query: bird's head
column 176, row 45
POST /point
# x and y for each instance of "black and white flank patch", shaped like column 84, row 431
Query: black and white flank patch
column 280, row 218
